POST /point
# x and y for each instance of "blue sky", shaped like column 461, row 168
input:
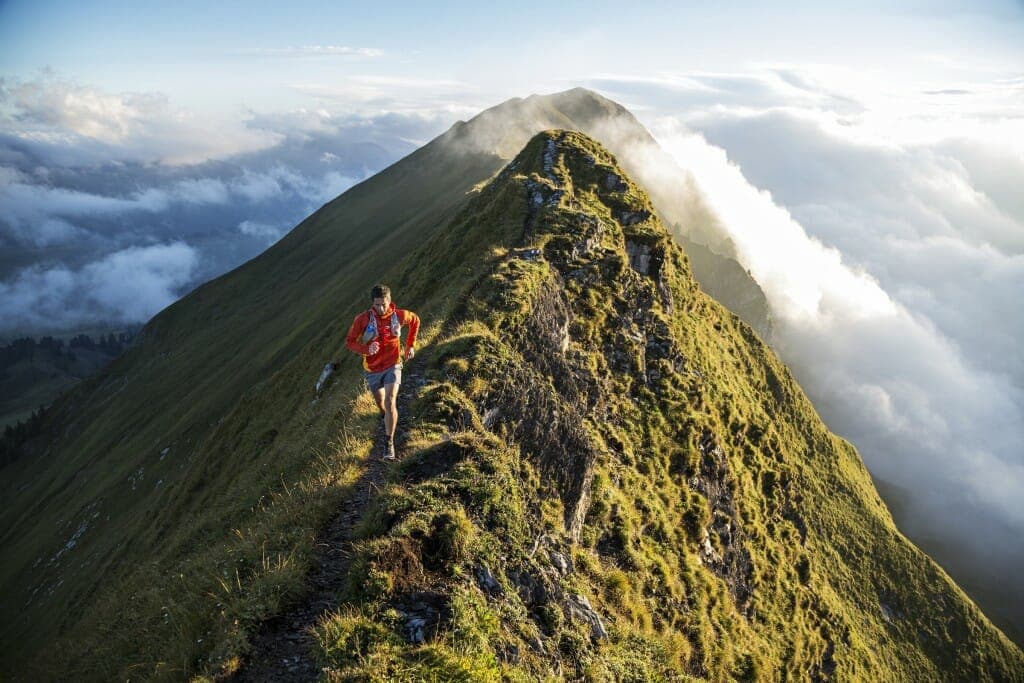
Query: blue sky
column 865, row 158
column 220, row 56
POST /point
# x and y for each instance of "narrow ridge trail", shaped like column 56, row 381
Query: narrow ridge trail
column 283, row 648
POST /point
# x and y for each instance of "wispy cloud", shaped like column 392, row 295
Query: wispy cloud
column 69, row 201
column 73, row 123
column 312, row 51
column 373, row 95
column 766, row 86
column 128, row 286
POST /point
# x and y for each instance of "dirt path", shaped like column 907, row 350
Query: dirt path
column 282, row 650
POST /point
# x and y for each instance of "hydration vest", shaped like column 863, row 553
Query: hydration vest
column 371, row 333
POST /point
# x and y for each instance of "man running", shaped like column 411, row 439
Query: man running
column 375, row 335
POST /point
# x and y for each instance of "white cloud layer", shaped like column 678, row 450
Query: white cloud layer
column 76, row 122
column 314, row 51
column 125, row 287
column 882, row 374
column 262, row 231
column 893, row 260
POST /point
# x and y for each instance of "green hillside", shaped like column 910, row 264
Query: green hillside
column 608, row 474
column 149, row 464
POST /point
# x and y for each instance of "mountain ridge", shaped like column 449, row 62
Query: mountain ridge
column 219, row 471
column 504, row 546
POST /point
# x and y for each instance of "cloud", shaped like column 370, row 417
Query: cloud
column 282, row 181
column 200, row 191
column 314, row 51
column 63, row 121
column 125, row 287
column 901, row 321
column 936, row 228
column 38, row 215
column 379, row 95
column 66, row 206
column 262, row 231
column 326, row 125
column 776, row 86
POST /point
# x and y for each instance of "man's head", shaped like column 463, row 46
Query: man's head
column 381, row 297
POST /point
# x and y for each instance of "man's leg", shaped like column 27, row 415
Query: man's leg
column 390, row 398
column 378, row 396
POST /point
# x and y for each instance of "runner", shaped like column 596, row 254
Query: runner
column 376, row 336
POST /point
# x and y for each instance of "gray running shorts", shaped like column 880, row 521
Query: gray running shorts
column 379, row 380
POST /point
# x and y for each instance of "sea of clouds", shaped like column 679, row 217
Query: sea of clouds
column 114, row 205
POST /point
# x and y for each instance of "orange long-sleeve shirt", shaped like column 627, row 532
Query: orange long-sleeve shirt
column 390, row 352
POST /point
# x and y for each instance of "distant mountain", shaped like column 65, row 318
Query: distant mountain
column 33, row 372
column 606, row 472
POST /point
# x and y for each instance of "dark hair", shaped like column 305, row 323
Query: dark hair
column 380, row 291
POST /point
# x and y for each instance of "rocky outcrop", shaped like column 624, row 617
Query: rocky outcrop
column 727, row 556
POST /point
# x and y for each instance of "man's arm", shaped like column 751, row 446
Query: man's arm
column 354, row 333
column 413, row 321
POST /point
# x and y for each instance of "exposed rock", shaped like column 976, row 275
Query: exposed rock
column 560, row 562
column 578, row 608
column 533, row 591
column 509, row 652
column 526, row 254
column 550, row 149
column 488, row 583
column 615, row 183
column 423, row 615
column 639, row 256
column 708, row 555
column 559, row 444
column 649, row 260
column 490, row 417
column 733, row 564
column 627, row 218
column 325, row 374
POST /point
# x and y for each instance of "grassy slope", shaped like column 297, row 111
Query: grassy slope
column 206, row 359
column 717, row 449
column 210, row 378
column 221, row 379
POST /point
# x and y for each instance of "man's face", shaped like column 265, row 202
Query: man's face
column 381, row 303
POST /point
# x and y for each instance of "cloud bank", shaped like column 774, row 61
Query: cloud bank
column 125, row 287
column 87, row 175
column 894, row 265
